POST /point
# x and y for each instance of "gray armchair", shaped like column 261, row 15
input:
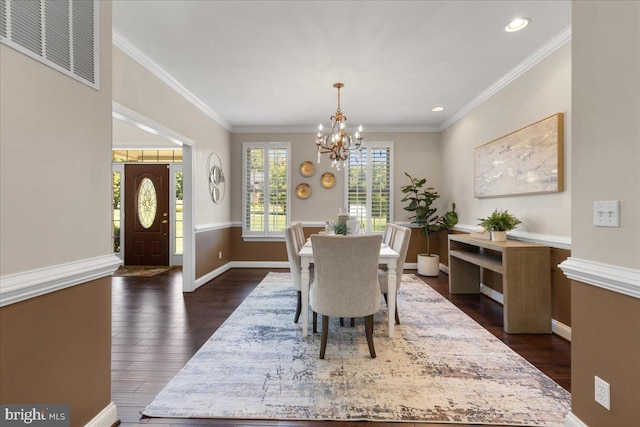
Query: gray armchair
column 400, row 244
column 346, row 281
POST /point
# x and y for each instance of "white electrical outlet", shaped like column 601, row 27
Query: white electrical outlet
column 602, row 393
column 606, row 213
column 220, row 255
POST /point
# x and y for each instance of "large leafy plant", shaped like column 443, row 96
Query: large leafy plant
column 425, row 216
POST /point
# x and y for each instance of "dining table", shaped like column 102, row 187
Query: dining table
column 388, row 257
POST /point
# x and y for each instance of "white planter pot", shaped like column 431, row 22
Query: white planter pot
column 428, row 265
column 499, row 236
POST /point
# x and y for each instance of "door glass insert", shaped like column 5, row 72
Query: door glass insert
column 116, row 218
column 147, row 202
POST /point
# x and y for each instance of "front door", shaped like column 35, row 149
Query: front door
column 146, row 189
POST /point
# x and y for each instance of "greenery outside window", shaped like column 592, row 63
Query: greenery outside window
column 266, row 167
column 369, row 186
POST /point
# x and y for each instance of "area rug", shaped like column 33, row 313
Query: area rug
column 440, row 366
column 139, row 271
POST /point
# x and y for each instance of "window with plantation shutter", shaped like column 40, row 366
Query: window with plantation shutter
column 62, row 34
column 369, row 186
column 265, row 201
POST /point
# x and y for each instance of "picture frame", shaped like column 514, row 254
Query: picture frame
column 526, row 161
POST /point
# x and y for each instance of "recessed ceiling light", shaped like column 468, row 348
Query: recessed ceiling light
column 517, row 24
column 437, row 109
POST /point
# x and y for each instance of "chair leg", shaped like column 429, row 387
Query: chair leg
column 298, row 307
column 315, row 322
column 353, row 322
column 368, row 328
column 325, row 334
column 342, row 321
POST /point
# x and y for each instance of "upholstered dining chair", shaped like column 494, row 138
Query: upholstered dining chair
column 299, row 234
column 346, row 281
column 399, row 244
column 293, row 247
column 389, row 232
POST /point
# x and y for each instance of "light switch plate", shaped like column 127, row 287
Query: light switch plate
column 606, row 213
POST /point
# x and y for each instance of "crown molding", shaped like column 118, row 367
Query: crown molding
column 141, row 58
column 536, row 57
column 312, row 129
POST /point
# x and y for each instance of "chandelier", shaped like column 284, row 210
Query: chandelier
column 338, row 143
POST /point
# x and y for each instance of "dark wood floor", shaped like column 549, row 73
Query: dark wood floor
column 156, row 329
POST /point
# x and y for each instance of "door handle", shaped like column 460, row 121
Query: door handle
column 164, row 221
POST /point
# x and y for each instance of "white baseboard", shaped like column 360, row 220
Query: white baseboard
column 573, row 421
column 212, row 275
column 238, row 264
column 561, row 329
column 106, row 418
column 259, row 264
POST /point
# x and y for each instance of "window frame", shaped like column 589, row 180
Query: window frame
column 367, row 146
column 267, row 234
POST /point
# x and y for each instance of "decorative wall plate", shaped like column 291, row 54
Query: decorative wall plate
column 303, row 191
column 307, row 169
column 328, row 180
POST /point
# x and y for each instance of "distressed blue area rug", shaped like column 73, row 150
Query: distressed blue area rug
column 441, row 366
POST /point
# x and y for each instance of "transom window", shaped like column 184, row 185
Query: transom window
column 369, row 186
column 265, row 189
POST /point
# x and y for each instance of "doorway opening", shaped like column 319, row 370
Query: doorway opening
column 158, row 229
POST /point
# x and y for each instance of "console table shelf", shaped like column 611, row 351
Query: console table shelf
column 526, row 278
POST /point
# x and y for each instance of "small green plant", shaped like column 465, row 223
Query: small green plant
column 420, row 199
column 499, row 221
column 340, row 228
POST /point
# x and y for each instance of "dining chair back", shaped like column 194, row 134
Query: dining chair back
column 400, row 244
column 346, row 281
column 293, row 248
column 299, row 233
column 389, row 232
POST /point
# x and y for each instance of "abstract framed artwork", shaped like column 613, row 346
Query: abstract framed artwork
column 527, row 161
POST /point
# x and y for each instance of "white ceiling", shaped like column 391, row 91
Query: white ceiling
column 271, row 64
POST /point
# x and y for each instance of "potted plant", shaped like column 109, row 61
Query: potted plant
column 420, row 199
column 498, row 223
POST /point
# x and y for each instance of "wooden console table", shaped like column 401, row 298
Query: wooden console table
column 526, row 278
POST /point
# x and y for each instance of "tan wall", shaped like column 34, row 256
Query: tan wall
column 416, row 153
column 605, row 338
column 55, row 141
column 543, row 90
column 606, row 67
column 139, row 90
column 55, row 151
column 605, row 342
column 57, row 349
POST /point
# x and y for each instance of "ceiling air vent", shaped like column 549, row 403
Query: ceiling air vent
column 62, row 34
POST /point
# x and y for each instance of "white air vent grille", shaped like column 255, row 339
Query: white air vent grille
column 62, row 34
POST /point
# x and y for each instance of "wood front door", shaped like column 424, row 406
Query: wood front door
column 146, row 189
